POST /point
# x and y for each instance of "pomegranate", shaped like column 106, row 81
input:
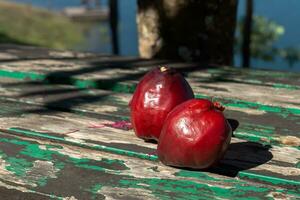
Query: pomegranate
column 159, row 91
column 195, row 135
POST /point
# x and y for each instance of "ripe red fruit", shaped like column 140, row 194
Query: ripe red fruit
column 195, row 135
column 159, row 91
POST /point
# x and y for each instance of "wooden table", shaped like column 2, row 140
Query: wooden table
column 60, row 135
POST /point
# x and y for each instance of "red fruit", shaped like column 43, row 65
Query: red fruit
column 195, row 135
column 159, row 91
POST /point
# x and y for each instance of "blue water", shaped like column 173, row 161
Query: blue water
column 285, row 13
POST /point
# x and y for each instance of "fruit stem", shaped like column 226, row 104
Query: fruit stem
column 163, row 69
column 218, row 106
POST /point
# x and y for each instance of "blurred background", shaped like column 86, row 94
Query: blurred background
column 87, row 25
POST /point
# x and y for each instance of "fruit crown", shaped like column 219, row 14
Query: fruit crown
column 219, row 106
column 163, row 68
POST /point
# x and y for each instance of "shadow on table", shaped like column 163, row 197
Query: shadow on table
column 240, row 156
column 56, row 79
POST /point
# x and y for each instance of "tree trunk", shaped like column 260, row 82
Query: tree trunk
column 247, row 29
column 113, row 19
column 192, row 30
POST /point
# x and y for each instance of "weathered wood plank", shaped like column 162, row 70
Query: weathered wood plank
column 123, row 79
column 10, row 52
column 262, row 95
column 275, row 79
column 254, row 125
column 274, row 165
column 17, row 53
column 97, row 161
column 32, row 165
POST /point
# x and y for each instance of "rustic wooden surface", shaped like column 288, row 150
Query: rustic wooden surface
column 58, row 139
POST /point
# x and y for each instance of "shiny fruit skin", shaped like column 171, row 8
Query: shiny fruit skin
column 195, row 135
column 159, row 91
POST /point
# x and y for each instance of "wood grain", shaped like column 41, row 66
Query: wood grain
column 254, row 125
column 93, row 174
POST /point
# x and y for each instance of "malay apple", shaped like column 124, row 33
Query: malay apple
column 195, row 135
column 158, row 92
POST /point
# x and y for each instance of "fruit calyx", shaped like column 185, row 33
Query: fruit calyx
column 164, row 68
column 219, row 106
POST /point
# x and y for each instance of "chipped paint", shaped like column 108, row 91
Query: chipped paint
column 138, row 176
column 154, row 158
column 41, row 171
column 251, row 135
column 131, row 173
column 269, row 179
column 112, row 193
column 286, row 171
column 95, row 146
column 129, row 88
column 250, row 111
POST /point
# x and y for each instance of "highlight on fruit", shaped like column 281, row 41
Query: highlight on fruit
column 157, row 93
column 195, row 135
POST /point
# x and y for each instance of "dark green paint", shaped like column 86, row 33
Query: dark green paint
column 129, row 88
column 22, row 162
column 248, row 131
column 206, row 188
column 244, row 81
column 147, row 157
column 227, row 102
column 94, row 146
column 253, row 73
column 17, row 165
column 269, row 179
column 187, row 189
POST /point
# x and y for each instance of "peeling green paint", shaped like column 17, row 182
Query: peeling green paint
column 255, row 138
column 199, row 175
column 241, row 174
column 112, row 161
column 252, row 73
column 161, row 188
column 129, row 88
column 269, row 179
column 86, row 163
column 243, row 80
column 257, row 129
column 155, row 158
column 18, row 166
column 284, row 112
column 186, row 189
column 22, row 75
column 158, row 186
column 96, row 188
column 94, row 146
column 286, row 86
column 298, row 164
column 249, row 132
column 94, row 167
column 255, row 135
column 262, row 139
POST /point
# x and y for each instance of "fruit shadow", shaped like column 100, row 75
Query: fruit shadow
column 151, row 141
column 240, row 156
column 234, row 124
